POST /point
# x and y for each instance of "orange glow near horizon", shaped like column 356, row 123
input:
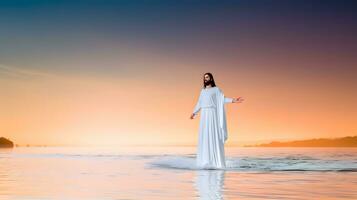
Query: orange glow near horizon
column 120, row 73
column 98, row 110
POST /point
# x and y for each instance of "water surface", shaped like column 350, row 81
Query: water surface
column 169, row 173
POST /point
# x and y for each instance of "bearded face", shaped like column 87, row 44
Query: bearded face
column 208, row 82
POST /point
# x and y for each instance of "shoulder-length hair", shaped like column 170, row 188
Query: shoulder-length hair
column 211, row 77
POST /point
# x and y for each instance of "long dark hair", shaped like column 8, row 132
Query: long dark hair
column 213, row 84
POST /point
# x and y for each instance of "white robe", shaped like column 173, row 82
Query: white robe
column 213, row 128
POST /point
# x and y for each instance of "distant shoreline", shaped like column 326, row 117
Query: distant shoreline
column 6, row 143
column 349, row 141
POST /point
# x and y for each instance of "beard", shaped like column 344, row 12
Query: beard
column 209, row 82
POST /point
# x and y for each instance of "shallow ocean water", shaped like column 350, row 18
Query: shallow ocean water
column 169, row 172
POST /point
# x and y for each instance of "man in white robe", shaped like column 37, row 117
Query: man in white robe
column 213, row 126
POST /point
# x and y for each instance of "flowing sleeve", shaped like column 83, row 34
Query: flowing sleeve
column 198, row 104
column 228, row 100
column 221, row 100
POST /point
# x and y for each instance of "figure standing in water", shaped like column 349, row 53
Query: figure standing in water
column 213, row 128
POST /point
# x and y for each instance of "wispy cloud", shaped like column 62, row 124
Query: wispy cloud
column 6, row 70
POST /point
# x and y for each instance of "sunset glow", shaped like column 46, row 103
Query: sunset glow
column 117, row 79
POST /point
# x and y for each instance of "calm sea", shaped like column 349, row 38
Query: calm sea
column 77, row 173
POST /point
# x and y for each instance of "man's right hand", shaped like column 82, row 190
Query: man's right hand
column 192, row 116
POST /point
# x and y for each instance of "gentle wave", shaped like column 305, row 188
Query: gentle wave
column 258, row 164
column 243, row 163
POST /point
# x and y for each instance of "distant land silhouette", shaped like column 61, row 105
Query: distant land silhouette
column 349, row 141
column 5, row 143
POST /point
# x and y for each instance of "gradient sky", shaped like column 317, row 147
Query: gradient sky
column 130, row 72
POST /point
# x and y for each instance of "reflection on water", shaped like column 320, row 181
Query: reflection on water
column 209, row 184
column 170, row 173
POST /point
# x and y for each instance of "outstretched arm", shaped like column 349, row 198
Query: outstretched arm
column 233, row 100
column 197, row 108
column 237, row 100
column 230, row 100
